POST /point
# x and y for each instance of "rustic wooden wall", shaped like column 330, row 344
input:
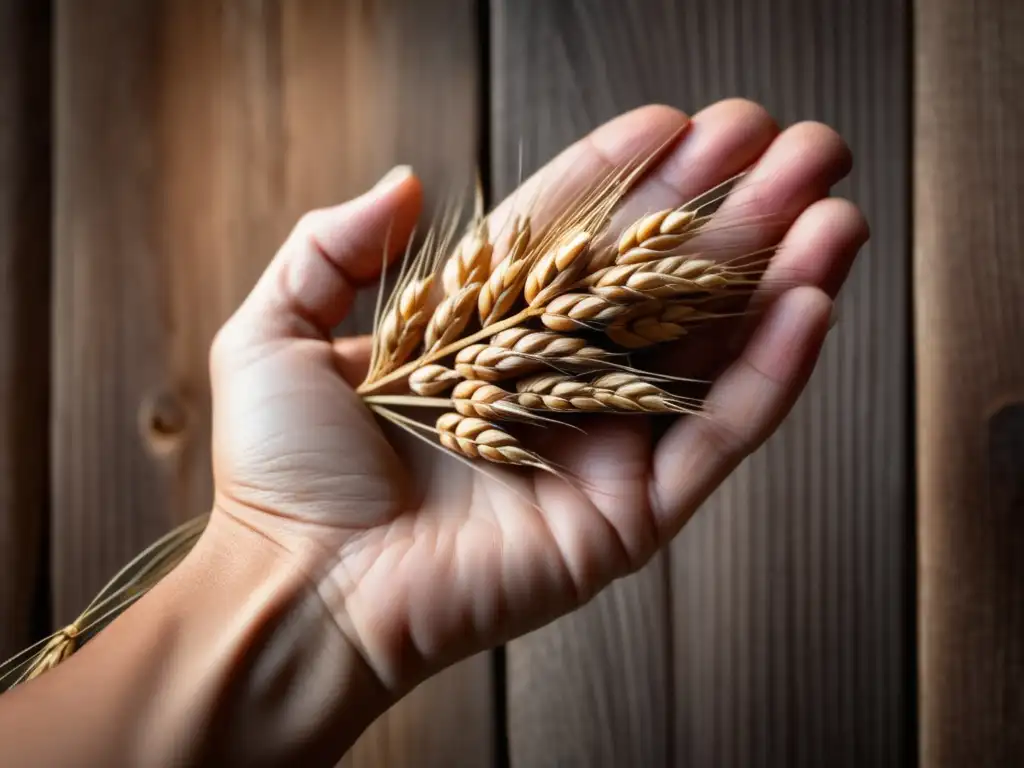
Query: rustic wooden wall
column 776, row 632
column 24, row 316
column 188, row 135
column 969, row 281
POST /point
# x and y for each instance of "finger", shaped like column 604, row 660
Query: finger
column 593, row 518
column 820, row 247
column 818, row 250
column 796, row 171
column 576, row 169
column 309, row 285
column 743, row 408
column 723, row 139
column 800, row 167
column 608, row 461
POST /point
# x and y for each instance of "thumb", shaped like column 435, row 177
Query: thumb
column 309, row 285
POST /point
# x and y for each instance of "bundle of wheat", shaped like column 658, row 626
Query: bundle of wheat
column 533, row 328
column 546, row 330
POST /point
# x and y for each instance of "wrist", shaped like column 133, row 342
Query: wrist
column 242, row 662
column 274, row 677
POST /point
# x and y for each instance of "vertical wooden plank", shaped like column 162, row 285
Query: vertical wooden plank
column 24, row 314
column 969, row 322
column 191, row 137
column 792, row 586
column 789, row 590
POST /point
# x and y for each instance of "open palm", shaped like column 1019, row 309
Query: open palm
column 424, row 561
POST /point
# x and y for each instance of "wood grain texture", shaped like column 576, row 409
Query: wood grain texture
column 24, row 314
column 790, row 589
column 191, row 136
column 969, row 322
column 792, row 586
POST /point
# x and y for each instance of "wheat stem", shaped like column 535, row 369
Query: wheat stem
column 408, row 400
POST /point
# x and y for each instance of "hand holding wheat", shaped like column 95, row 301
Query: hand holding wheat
column 542, row 352
column 441, row 559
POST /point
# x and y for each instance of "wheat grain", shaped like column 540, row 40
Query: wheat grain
column 666, row 278
column 654, row 236
column 471, row 263
column 402, row 328
column 573, row 311
column 505, row 283
column 487, row 401
column 556, row 392
column 432, row 380
column 557, row 270
column 451, row 317
column 60, row 647
column 666, row 323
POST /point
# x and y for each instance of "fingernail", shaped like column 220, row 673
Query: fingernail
column 390, row 179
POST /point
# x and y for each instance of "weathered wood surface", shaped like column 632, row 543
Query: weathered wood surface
column 792, row 588
column 24, row 317
column 969, row 329
column 788, row 634
column 191, row 135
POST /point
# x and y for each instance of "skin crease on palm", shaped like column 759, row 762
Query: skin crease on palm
column 423, row 561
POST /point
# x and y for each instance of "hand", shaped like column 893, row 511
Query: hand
column 424, row 562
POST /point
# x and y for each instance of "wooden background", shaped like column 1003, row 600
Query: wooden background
column 852, row 596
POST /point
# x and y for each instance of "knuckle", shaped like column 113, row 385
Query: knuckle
column 726, row 441
column 753, row 108
column 224, row 345
column 825, row 136
column 309, row 224
column 219, row 345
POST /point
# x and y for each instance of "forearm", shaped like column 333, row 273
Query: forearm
column 231, row 660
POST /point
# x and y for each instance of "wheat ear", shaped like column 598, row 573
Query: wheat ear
column 517, row 351
column 667, row 322
column 132, row 582
column 474, row 438
column 615, row 392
